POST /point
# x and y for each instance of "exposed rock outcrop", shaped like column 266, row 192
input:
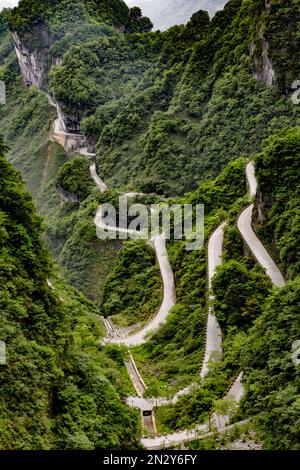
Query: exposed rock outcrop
column 32, row 51
column 263, row 203
column 264, row 71
column 32, row 60
column 67, row 196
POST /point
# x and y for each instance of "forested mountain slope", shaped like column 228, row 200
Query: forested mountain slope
column 174, row 115
column 170, row 115
column 56, row 377
column 181, row 105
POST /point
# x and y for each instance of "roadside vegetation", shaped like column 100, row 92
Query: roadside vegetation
column 175, row 114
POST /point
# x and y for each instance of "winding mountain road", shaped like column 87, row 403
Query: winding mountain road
column 245, row 227
column 214, row 256
column 135, row 376
column 213, row 347
column 217, row 421
column 169, row 297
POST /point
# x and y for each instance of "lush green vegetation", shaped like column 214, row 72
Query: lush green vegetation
column 277, row 173
column 166, row 112
column 260, row 325
column 74, row 177
column 281, row 33
column 272, row 377
column 56, row 377
column 132, row 292
column 115, row 12
column 239, row 294
column 171, row 359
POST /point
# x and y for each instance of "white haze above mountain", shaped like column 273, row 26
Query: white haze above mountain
column 166, row 13
column 8, row 4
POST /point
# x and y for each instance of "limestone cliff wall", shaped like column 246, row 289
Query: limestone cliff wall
column 264, row 71
column 35, row 62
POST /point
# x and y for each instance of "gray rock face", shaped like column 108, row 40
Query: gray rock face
column 264, row 71
column 67, row 196
column 32, row 52
column 32, row 61
column 263, row 203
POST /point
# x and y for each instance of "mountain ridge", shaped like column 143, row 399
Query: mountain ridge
column 165, row 14
column 177, row 114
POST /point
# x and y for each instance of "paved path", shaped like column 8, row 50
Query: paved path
column 128, row 195
column 169, row 296
column 160, row 442
column 99, row 182
column 257, row 248
column 251, row 239
column 149, row 423
column 213, row 346
column 214, row 339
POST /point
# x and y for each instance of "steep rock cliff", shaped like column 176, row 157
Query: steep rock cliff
column 263, row 203
column 264, row 71
column 33, row 60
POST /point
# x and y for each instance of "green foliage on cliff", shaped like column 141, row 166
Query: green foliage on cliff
column 74, row 177
column 260, row 325
column 277, row 169
column 55, row 376
column 239, row 294
column 132, row 292
column 273, row 379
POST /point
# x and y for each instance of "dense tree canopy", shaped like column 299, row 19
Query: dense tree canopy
column 55, row 378
column 178, row 114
